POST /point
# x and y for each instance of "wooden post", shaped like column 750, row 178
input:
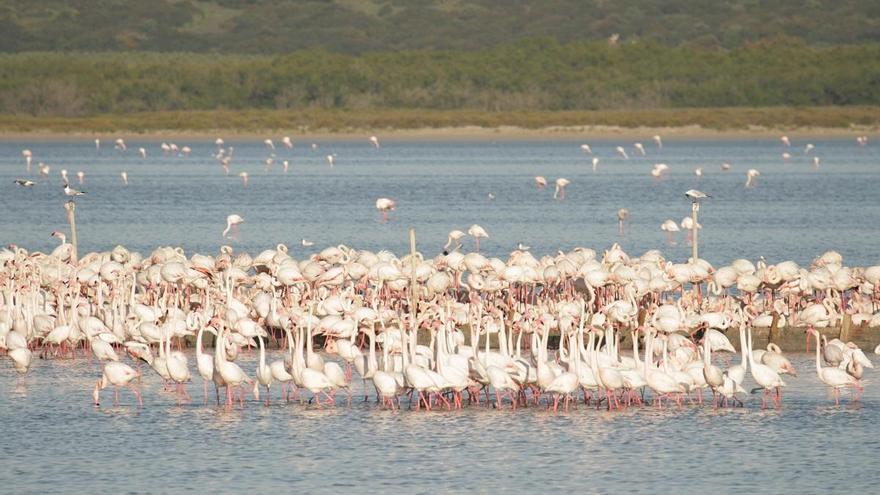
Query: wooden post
column 845, row 326
column 695, row 209
column 412, row 284
column 70, row 206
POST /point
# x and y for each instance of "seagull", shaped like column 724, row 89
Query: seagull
column 71, row 191
column 25, row 182
column 306, row 243
column 522, row 247
column 695, row 195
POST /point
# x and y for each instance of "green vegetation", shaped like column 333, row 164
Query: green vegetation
column 357, row 26
column 318, row 120
column 537, row 75
column 341, row 64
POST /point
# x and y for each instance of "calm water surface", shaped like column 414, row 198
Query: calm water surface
column 56, row 441
column 795, row 212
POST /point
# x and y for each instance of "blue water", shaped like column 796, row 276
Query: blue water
column 795, row 211
column 55, row 441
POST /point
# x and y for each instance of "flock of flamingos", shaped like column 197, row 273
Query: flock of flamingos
column 444, row 332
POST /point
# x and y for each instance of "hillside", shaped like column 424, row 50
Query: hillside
column 356, row 26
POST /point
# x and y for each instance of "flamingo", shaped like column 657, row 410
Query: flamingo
column 540, row 181
column 384, row 205
column 834, row 377
column 657, row 140
column 622, row 152
column 374, row 141
column 622, row 215
column 287, row 142
column 232, row 222
column 586, row 148
column 477, row 232
column 560, row 188
column 751, row 174
column 124, row 176
column 119, row 375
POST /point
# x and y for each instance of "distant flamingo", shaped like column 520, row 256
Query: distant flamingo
column 785, row 141
column 586, row 148
column 750, row 177
column 287, row 142
column 540, row 181
column 330, row 159
column 374, row 141
column 595, row 163
column 384, row 205
column 622, row 152
column 622, row 215
column 657, row 140
column 28, row 156
column 124, row 176
column 269, row 144
column 640, row 148
column 455, row 236
column 477, row 232
column 244, row 178
column 232, row 222
column 669, row 226
column 560, row 188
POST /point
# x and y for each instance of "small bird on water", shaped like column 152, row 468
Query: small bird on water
column 695, row 195
column 25, row 182
column 71, row 191
column 306, row 243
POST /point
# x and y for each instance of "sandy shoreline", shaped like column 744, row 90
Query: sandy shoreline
column 464, row 133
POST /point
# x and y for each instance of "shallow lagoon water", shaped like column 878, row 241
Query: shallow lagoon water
column 795, row 212
column 55, row 440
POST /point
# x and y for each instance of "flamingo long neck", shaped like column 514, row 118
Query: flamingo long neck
column 751, row 358
column 262, row 352
column 635, row 338
column 818, row 363
column 742, row 347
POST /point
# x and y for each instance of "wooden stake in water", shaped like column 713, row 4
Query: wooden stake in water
column 70, row 206
column 695, row 210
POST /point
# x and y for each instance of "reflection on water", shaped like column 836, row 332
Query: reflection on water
column 810, row 445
